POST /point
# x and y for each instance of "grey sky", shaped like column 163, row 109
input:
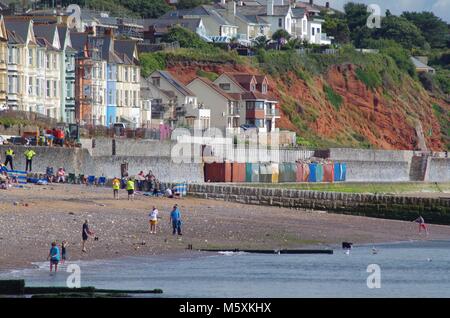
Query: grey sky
column 441, row 8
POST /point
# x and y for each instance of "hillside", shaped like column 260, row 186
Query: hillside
column 349, row 99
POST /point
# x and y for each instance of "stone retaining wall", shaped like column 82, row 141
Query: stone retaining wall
column 371, row 205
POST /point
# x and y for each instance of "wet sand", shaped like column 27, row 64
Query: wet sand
column 33, row 216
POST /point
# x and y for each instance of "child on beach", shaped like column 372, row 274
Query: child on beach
column 153, row 220
column 116, row 187
column 422, row 225
column 54, row 257
column 64, row 251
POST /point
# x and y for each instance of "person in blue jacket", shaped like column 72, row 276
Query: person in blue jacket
column 175, row 219
column 54, row 256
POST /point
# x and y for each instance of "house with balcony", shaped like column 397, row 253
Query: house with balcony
column 259, row 106
column 218, row 28
column 3, row 64
column 175, row 102
column 224, row 107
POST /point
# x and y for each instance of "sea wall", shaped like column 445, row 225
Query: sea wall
column 438, row 170
column 379, row 206
column 377, row 171
column 343, row 154
column 127, row 147
column 80, row 161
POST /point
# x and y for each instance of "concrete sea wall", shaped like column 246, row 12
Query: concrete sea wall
column 377, row 171
column 379, row 206
column 438, row 170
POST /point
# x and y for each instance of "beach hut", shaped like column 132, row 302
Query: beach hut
column 319, row 173
column 287, row 172
column 328, row 172
column 302, row 172
column 217, row 172
column 275, row 172
column 238, row 172
column 339, row 171
column 312, row 172
column 252, row 172
column 265, row 173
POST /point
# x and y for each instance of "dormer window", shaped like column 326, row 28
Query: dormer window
column 264, row 88
column 252, row 87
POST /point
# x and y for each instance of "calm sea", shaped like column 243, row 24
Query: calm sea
column 412, row 269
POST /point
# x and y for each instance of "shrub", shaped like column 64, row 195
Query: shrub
column 370, row 77
column 209, row 75
column 151, row 62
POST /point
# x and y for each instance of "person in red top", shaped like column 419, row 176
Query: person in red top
column 422, row 225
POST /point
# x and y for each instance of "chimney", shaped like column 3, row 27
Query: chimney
column 231, row 8
column 327, row 5
column 269, row 7
column 311, row 2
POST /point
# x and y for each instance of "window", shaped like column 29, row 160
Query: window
column 12, row 84
column 110, row 96
column 304, row 25
column 252, row 87
column 48, row 88
column 126, row 74
column 280, row 22
column 30, row 86
column 135, row 75
column 110, row 72
column 225, row 86
column 318, row 30
column 37, row 87
column 313, row 31
column 135, row 103
column 30, row 56
column 156, row 81
column 48, row 61
column 12, row 55
column 55, row 89
column 259, row 123
column 126, row 98
column 55, row 62
column 264, row 88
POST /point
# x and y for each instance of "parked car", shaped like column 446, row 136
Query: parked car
column 248, row 127
column 17, row 141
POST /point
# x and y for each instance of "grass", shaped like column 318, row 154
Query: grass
column 354, row 187
column 209, row 75
column 443, row 117
column 334, row 98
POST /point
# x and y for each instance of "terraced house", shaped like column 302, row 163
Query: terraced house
column 22, row 46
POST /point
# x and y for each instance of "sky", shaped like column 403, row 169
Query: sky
column 440, row 8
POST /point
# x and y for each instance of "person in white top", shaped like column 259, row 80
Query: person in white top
column 169, row 193
column 153, row 220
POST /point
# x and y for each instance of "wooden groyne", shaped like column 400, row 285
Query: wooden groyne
column 18, row 288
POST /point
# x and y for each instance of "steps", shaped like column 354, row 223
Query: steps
column 418, row 167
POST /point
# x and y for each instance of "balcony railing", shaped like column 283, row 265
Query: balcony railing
column 233, row 111
column 272, row 112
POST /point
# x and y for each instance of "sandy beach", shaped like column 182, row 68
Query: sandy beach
column 34, row 216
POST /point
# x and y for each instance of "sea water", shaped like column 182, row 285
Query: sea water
column 411, row 269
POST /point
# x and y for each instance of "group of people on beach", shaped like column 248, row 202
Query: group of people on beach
column 57, row 255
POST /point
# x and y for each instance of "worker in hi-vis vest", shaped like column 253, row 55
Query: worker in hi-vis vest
column 130, row 188
column 29, row 154
column 9, row 158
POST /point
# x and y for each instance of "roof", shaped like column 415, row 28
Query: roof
column 418, row 64
column 298, row 12
column 262, row 10
column 17, row 29
column 125, row 49
column 176, row 84
column 199, row 11
column 256, row 96
column 46, row 31
column 217, row 89
column 42, row 42
column 79, row 40
column 243, row 78
column 164, row 24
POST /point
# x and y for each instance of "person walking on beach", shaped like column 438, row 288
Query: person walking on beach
column 422, row 225
column 85, row 235
column 54, row 257
column 9, row 153
column 63, row 251
column 130, row 189
column 153, row 220
column 116, row 187
column 175, row 218
column 29, row 154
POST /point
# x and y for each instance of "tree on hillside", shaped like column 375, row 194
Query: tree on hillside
column 146, row 8
column 281, row 36
column 356, row 15
column 435, row 30
column 337, row 27
column 185, row 37
column 401, row 31
column 261, row 42
column 187, row 4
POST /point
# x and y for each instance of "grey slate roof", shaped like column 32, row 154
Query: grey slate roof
column 17, row 30
column 176, row 84
column 46, row 31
